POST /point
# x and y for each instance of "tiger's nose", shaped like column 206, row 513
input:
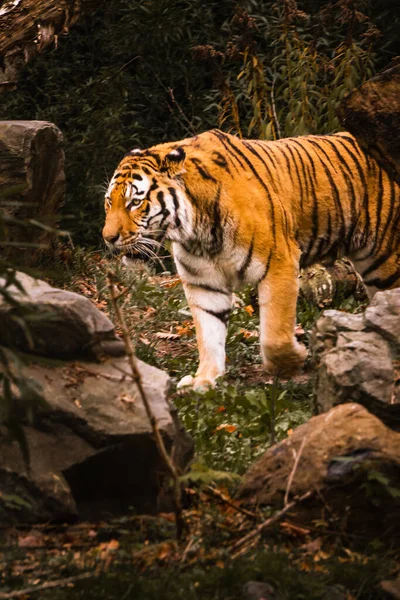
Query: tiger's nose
column 111, row 239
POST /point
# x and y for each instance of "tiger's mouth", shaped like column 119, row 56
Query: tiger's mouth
column 141, row 248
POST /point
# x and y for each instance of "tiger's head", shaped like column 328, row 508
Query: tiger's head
column 145, row 200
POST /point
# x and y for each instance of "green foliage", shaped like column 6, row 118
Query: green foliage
column 293, row 68
column 201, row 474
column 239, row 422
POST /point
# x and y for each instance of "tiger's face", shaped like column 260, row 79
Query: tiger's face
column 142, row 201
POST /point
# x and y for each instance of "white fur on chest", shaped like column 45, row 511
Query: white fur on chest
column 223, row 271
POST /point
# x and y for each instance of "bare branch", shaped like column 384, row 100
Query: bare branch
column 297, row 456
column 44, row 586
column 274, row 519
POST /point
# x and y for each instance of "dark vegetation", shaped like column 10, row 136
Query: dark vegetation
column 139, row 73
column 135, row 74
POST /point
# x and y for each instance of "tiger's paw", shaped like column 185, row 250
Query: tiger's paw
column 285, row 361
column 200, row 384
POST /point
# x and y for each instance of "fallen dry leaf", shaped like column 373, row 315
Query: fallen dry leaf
column 34, row 539
column 226, row 427
column 166, row 335
column 127, row 398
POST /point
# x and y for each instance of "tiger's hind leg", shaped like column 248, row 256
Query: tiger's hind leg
column 282, row 354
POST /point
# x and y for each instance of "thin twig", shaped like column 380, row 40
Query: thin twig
column 294, row 469
column 44, row 586
column 277, row 128
column 217, row 494
column 150, row 415
column 276, row 517
column 174, row 100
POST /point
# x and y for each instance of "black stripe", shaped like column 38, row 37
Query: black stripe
column 383, row 284
column 350, row 186
column 216, row 232
column 253, row 151
column 315, row 225
column 247, row 260
column 221, row 315
column 391, row 212
column 336, row 195
column 306, row 152
column 361, row 175
column 208, row 288
column 353, row 143
column 248, row 162
column 267, row 264
column 297, row 174
column 136, row 176
column 264, row 146
column 220, row 160
column 153, row 155
column 191, row 270
column 175, row 200
column 202, row 169
column 378, row 214
column 388, row 251
column 164, row 210
column 222, row 138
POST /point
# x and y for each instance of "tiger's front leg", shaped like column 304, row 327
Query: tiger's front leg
column 282, row 354
column 210, row 308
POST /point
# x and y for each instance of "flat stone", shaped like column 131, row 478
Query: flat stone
column 52, row 322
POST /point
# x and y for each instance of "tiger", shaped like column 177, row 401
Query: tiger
column 255, row 212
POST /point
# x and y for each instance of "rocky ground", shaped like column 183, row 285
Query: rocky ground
column 316, row 516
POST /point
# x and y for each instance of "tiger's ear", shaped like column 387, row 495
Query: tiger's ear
column 134, row 152
column 173, row 163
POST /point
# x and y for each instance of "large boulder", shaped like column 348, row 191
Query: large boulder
column 350, row 462
column 32, row 186
column 92, row 453
column 36, row 317
column 356, row 358
column 92, row 450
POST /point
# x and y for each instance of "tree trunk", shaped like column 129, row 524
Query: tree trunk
column 32, row 188
column 28, row 26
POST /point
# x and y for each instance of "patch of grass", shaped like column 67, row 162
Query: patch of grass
column 232, row 425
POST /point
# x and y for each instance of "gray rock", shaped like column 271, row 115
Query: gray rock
column 356, row 358
column 359, row 366
column 53, row 322
column 325, row 332
column 383, row 316
column 92, row 452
